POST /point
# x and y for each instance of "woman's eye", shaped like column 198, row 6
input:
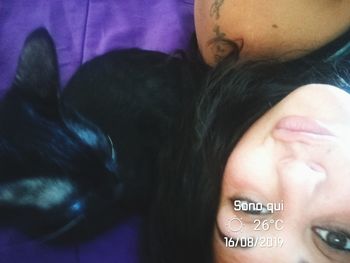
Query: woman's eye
column 337, row 240
column 250, row 207
column 113, row 154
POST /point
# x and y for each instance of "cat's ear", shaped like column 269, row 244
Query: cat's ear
column 37, row 70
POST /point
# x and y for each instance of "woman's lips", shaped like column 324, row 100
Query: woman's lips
column 303, row 124
column 292, row 128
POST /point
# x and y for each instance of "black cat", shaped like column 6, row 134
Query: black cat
column 80, row 159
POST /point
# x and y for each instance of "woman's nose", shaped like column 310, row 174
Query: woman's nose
column 300, row 178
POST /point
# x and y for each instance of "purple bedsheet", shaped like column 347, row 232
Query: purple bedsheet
column 81, row 30
column 117, row 245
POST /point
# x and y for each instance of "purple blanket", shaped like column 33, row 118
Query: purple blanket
column 118, row 245
column 81, row 30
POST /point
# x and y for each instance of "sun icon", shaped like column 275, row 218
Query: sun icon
column 235, row 224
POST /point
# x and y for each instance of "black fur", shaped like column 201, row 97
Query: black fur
column 78, row 159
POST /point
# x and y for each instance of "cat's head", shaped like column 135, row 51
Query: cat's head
column 56, row 167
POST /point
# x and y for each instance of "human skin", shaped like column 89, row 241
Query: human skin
column 284, row 158
column 278, row 29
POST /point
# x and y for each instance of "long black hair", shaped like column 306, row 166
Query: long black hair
column 234, row 97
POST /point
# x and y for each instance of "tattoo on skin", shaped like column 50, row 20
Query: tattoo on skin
column 218, row 33
column 215, row 9
column 222, row 47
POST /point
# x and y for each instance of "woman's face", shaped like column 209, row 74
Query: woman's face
column 270, row 28
column 286, row 185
